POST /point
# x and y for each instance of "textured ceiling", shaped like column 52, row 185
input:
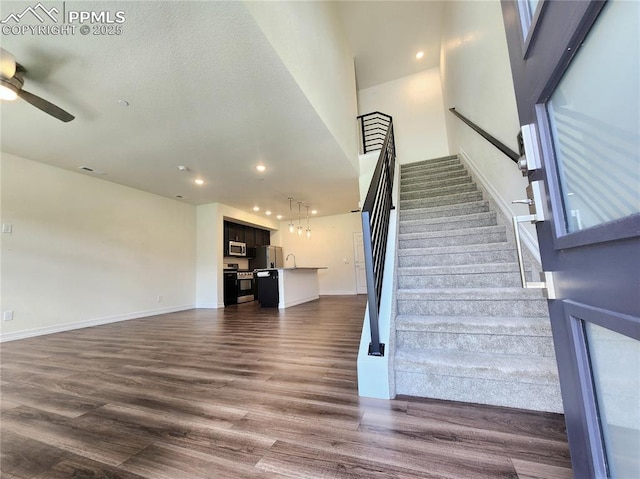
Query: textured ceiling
column 207, row 91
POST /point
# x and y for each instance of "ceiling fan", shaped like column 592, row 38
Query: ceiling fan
column 11, row 82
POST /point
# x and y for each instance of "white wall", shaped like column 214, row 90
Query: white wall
column 416, row 105
column 330, row 245
column 476, row 80
column 210, row 248
column 85, row 251
column 309, row 39
column 368, row 164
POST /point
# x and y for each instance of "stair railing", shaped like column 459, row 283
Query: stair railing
column 373, row 129
column 490, row 138
column 375, row 227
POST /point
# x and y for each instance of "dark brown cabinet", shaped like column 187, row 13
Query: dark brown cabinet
column 266, row 238
column 250, row 236
column 253, row 237
column 236, row 232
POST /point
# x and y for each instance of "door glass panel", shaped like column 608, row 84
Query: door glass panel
column 615, row 367
column 595, row 123
column 533, row 4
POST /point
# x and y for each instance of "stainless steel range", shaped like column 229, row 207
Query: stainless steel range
column 246, row 290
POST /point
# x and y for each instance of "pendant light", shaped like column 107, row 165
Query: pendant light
column 290, row 216
column 299, row 224
column 308, row 229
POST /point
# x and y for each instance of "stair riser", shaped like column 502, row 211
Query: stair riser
column 426, row 185
column 444, row 212
column 524, row 308
column 452, row 240
column 478, row 280
column 479, row 343
column 537, row 397
column 436, row 192
column 489, row 220
column 481, row 257
column 442, row 201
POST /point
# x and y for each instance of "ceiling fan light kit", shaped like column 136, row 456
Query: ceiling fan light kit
column 12, row 81
column 8, row 91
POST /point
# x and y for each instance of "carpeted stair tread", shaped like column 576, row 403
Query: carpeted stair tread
column 467, row 294
column 458, row 249
column 445, row 211
column 437, row 169
column 451, row 233
column 437, row 192
column 485, row 218
column 451, row 199
column 477, row 365
column 515, row 326
column 436, row 183
column 487, row 268
column 429, row 162
column 465, row 329
column 441, row 175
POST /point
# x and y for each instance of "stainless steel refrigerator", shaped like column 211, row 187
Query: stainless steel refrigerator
column 267, row 257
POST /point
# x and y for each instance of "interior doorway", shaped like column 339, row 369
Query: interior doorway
column 358, row 254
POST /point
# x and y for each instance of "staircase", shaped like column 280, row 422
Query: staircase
column 465, row 328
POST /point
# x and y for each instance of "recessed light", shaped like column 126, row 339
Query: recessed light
column 183, row 168
column 279, row 217
column 123, row 103
column 268, row 213
column 198, row 181
column 256, row 208
column 314, row 212
column 419, row 55
column 261, row 168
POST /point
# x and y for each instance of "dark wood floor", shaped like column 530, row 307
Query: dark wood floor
column 242, row 393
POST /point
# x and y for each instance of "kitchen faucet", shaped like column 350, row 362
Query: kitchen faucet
column 294, row 259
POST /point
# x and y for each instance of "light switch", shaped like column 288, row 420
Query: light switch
column 7, row 227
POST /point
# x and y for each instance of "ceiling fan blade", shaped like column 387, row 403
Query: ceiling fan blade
column 45, row 106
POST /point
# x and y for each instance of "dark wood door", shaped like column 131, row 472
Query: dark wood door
column 575, row 68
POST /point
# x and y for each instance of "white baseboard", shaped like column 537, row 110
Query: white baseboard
column 58, row 328
column 296, row 302
column 337, row 292
column 528, row 240
column 206, row 305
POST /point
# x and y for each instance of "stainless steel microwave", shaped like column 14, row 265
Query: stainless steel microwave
column 237, row 249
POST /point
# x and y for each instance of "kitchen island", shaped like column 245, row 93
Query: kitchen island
column 294, row 286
